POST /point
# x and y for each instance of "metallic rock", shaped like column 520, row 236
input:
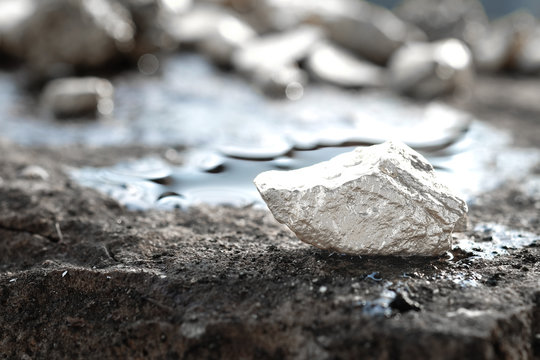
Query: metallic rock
column 380, row 200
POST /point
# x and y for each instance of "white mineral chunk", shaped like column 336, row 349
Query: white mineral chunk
column 378, row 200
column 74, row 97
column 427, row 70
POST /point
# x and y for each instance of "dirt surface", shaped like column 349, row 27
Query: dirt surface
column 81, row 277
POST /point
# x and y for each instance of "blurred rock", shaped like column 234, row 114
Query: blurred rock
column 380, row 200
column 427, row 70
column 282, row 15
column 527, row 55
column 370, row 31
column 441, row 19
column 497, row 45
column 337, row 66
column 34, row 172
column 492, row 47
column 78, row 97
column 227, row 36
column 286, row 81
column 81, row 33
column 12, row 14
column 197, row 24
column 148, row 17
column 272, row 52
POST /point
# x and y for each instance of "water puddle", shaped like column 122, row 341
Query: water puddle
column 492, row 240
column 219, row 177
column 234, row 133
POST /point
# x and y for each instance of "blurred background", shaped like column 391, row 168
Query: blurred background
column 493, row 9
column 234, row 87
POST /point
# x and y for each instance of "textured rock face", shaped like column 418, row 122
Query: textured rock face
column 380, row 200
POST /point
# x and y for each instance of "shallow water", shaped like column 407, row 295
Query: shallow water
column 233, row 133
column 494, row 240
column 480, row 161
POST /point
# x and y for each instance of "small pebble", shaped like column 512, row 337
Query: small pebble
column 78, row 97
column 34, row 172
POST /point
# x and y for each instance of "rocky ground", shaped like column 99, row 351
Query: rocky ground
column 81, row 277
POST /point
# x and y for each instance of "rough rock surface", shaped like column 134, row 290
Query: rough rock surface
column 381, row 200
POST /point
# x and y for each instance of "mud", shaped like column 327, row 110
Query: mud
column 83, row 277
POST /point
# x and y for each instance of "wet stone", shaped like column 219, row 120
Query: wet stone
column 380, row 200
column 78, row 97
column 428, row 70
